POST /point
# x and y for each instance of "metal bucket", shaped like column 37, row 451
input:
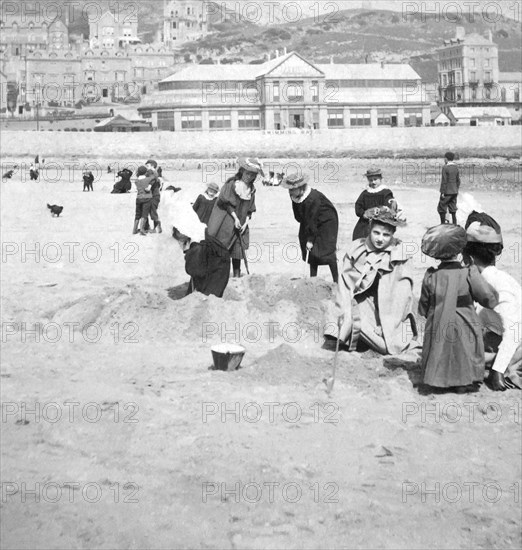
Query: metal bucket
column 227, row 356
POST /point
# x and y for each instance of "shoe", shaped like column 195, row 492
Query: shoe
column 159, row 228
column 141, row 227
column 237, row 273
column 135, row 229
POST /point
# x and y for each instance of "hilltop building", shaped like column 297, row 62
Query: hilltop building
column 183, row 21
column 469, row 75
column 23, row 35
column 287, row 92
column 113, row 30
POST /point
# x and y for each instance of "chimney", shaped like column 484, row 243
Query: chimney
column 460, row 32
column 285, row 50
column 331, row 60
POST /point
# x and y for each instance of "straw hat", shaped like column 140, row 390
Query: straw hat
column 213, row 187
column 294, row 181
column 386, row 215
column 373, row 172
column 444, row 241
column 251, row 164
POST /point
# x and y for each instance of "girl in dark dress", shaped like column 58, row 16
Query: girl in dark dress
column 453, row 349
column 233, row 210
column 373, row 196
column 205, row 203
column 319, row 224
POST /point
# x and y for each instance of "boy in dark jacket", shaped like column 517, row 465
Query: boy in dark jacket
column 153, row 171
column 449, row 189
column 143, row 200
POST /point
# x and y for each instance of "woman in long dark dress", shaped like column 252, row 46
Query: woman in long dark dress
column 233, row 210
column 319, row 224
column 375, row 195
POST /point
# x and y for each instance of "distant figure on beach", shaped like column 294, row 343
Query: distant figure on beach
column 33, row 173
column 205, row 202
column 230, row 218
column 88, row 180
column 500, row 326
column 318, row 224
column 449, row 189
column 453, row 349
column 373, row 196
column 123, row 185
column 109, row 169
column 375, row 292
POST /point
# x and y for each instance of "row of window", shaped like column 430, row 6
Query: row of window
column 221, row 120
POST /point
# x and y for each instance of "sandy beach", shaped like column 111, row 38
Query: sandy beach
column 135, row 443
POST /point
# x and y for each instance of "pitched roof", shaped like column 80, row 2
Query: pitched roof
column 477, row 112
column 243, row 72
column 369, row 71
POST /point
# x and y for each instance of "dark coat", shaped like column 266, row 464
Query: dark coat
column 450, row 180
column 203, row 208
column 221, row 222
column 366, row 201
column 319, row 223
column 208, row 263
column 453, row 350
column 124, row 185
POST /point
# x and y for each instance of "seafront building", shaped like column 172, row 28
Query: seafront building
column 288, row 92
column 469, row 75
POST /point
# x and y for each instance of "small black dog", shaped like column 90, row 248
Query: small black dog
column 55, row 209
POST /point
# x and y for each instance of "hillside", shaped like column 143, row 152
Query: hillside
column 349, row 36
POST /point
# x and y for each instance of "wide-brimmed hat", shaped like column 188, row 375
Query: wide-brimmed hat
column 383, row 214
column 444, row 241
column 251, row 164
column 213, row 187
column 477, row 233
column 294, row 181
column 373, row 172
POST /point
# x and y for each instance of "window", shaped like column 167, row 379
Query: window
column 219, row 120
column 105, row 92
column 249, row 119
column 276, row 91
column 473, row 93
column 444, row 80
column 174, row 25
column 360, row 118
column 335, row 118
column 191, row 120
column 166, row 120
column 295, row 92
column 503, row 94
column 89, row 75
column 486, row 63
column 517, row 96
column 458, row 78
column 315, row 91
column 386, row 118
column 487, row 77
column 472, row 62
column 119, row 76
column 473, row 76
column 487, row 92
column 412, row 118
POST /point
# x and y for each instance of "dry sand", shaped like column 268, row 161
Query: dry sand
column 363, row 459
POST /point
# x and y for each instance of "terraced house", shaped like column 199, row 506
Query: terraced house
column 288, row 92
